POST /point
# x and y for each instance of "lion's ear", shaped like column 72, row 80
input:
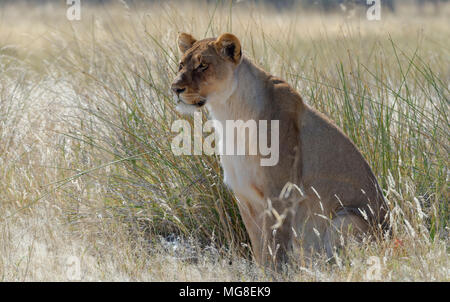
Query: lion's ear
column 185, row 41
column 229, row 47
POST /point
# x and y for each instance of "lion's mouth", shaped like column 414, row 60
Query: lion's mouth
column 199, row 104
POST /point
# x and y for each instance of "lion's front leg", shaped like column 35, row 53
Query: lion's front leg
column 270, row 228
column 278, row 231
column 252, row 216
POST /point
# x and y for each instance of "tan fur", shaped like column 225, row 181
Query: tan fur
column 332, row 182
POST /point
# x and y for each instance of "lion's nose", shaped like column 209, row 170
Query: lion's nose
column 178, row 90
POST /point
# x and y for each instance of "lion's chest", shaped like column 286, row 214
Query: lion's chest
column 244, row 176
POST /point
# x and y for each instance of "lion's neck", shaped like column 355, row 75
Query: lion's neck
column 244, row 100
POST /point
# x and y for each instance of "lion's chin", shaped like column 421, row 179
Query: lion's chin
column 184, row 108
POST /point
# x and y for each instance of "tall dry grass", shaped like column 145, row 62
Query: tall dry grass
column 85, row 160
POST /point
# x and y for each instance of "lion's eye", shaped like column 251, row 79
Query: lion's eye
column 180, row 67
column 202, row 67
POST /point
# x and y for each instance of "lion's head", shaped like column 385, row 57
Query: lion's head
column 206, row 68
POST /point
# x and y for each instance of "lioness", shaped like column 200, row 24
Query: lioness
column 331, row 193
